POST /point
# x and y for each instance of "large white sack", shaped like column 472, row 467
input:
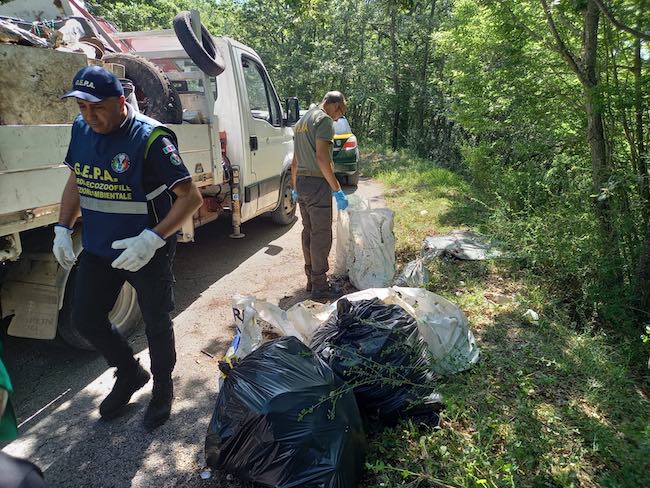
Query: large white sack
column 442, row 325
column 343, row 242
column 365, row 245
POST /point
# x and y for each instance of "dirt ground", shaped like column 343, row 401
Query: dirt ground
column 58, row 389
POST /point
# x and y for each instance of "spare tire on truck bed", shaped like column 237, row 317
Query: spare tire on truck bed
column 203, row 52
column 157, row 98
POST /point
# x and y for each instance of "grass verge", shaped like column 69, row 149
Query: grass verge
column 551, row 403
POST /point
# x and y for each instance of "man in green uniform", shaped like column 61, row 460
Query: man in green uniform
column 14, row 472
column 314, row 183
column 8, row 430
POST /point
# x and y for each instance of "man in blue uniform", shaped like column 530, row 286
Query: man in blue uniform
column 133, row 192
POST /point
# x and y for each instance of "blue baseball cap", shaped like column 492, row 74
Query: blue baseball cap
column 94, row 84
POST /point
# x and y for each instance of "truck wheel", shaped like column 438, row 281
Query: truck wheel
column 353, row 179
column 125, row 315
column 286, row 211
column 156, row 96
column 205, row 55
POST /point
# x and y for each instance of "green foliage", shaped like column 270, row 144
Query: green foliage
column 220, row 17
column 551, row 403
column 527, row 153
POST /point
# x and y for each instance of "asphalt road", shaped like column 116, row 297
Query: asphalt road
column 58, row 389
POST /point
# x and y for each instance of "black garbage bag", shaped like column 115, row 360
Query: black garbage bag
column 377, row 350
column 283, row 419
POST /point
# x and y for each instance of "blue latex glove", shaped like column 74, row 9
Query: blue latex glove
column 294, row 196
column 341, row 199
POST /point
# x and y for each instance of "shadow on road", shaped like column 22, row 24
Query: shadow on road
column 46, row 373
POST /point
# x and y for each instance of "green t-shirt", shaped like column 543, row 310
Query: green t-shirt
column 8, row 431
column 315, row 124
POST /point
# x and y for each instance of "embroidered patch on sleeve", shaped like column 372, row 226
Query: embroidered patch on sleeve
column 169, row 149
column 175, row 159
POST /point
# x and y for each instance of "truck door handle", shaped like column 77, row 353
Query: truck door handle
column 253, row 143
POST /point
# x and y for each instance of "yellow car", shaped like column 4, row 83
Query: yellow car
column 345, row 153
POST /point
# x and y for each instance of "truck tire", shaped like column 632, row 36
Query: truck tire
column 156, row 96
column 285, row 214
column 125, row 315
column 205, row 55
column 353, row 179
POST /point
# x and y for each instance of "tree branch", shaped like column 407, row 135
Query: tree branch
column 567, row 23
column 531, row 32
column 607, row 13
column 561, row 46
column 534, row 35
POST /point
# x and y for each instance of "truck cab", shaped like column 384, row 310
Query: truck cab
column 248, row 119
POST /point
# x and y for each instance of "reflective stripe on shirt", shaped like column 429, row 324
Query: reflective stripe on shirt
column 156, row 192
column 114, row 207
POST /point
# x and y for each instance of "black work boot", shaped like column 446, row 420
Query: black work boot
column 160, row 405
column 329, row 293
column 127, row 383
column 322, row 289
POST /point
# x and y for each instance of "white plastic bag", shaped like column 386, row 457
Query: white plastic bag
column 415, row 274
column 343, row 243
column 249, row 332
column 442, row 325
column 365, row 245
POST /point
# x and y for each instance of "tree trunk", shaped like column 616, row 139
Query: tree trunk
column 396, row 81
column 642, row 291
column 642, row 282
column 642, row 161
column 600, row 164
column 424, row 75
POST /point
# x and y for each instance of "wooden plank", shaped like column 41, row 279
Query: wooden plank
column 32, row 173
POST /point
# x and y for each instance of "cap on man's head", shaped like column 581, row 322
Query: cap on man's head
column 94, row 84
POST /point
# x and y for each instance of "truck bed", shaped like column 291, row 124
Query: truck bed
column 32, row 173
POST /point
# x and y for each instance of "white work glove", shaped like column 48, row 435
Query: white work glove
column 62, row 247
column 138, row 250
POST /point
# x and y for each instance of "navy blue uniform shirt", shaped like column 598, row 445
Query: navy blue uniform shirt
column 124, row 178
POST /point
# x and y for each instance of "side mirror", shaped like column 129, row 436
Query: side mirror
column 292, row 110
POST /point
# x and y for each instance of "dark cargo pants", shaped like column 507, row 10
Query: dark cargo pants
column 96, row 288
column 315, row 199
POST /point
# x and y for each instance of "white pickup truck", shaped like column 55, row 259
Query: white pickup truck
column 235, row 137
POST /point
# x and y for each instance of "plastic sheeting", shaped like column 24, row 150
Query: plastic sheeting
column 365, row 244
column 457, row 244
column 12, row 34
column 415, row 274
column 275, row 422
column 377, row 350
column 442, row 325
column 461, row 245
